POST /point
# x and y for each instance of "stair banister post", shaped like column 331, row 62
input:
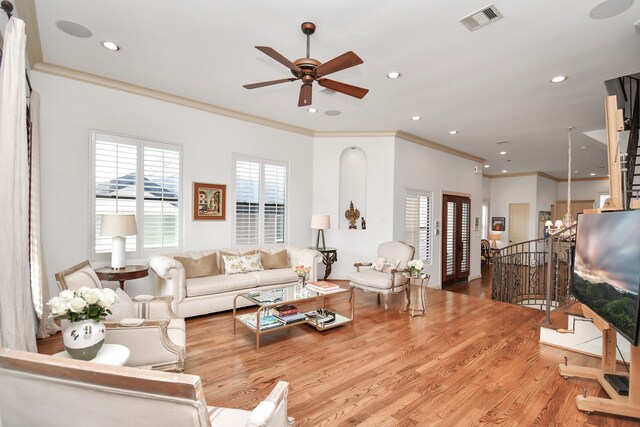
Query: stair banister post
column 547, row 316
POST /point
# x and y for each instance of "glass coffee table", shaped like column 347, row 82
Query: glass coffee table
column 262, row 320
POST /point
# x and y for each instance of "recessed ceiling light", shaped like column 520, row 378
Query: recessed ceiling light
column 592, row 174
column 453, row 132
column 111, row 46
column 312, row 110
column 575, row 171
column 610, row 8
column 584, row 147
column 504, row 171
column 487, row 166
column 502, row 153
column 393, row 75
column 416, row 118
column 558, row 79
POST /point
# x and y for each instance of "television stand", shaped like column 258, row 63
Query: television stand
column 618, row 404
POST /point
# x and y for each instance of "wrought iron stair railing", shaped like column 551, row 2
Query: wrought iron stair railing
column 536, row 273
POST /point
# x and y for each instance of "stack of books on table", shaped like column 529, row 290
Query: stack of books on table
column 322, row 286
column 266, row 322
column 289, row 314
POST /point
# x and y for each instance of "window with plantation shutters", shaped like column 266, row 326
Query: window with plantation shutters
column 142, row 177
column 261, row 201
column 418, row 223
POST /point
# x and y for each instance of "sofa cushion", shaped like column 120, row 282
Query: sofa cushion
column 228, row 416
column 385, row 265
column 223, row 253
column 274, row 277
column 375, row 279
column 242, row 264
column 201, row 267
column 123, row 309
column 219, row 284
column 276, row 260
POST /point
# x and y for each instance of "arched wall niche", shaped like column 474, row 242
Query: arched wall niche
column 353, row 184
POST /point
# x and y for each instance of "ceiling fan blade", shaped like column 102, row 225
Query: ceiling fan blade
column 269, row 83
column 305, row 95
column 355, row 91
column 346, row 60
column 281, row 59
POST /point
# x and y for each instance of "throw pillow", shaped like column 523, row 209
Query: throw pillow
column 236, row 264
column 273, row 261
column 201, row 267
column 123, row 309
column 385, row 265
column 222, row 254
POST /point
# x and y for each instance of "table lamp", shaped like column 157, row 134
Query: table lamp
column 320, row 223
column 118, row 226
column 493, row 237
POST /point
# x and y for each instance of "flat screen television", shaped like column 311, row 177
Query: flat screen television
column 606, row 272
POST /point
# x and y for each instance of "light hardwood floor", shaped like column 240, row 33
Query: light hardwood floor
column 470, row 361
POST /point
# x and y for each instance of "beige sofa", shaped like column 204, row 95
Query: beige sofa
column 41, row 390
column 210, row 294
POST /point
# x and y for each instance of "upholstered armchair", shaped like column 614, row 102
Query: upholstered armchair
column 157, row 340
column 386, row 277
column 41, row 390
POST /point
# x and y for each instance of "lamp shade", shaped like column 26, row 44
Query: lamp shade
column 559, row 223
column 118, row 225
column 548, row 223
column 320, row 222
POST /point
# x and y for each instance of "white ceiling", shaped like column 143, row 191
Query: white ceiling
column 491, row 84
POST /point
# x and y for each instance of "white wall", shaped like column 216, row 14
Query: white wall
column 583, row 190
column 546, row 196
column 517, row 189
column 421, row 168
column 354, row 245
column 71, row 108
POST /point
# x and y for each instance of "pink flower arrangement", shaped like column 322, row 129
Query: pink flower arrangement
column 301, row 270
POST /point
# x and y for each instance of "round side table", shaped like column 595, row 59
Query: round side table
column 415, row 293
column 109, row 354
column 128, row 272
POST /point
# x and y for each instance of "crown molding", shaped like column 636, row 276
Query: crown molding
column 598, row 178
column 26, row 10
column 544, row 175
column 427, row 143
column 56, row 70
column 355, row 133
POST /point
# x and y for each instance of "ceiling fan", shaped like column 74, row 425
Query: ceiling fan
column 309, row 70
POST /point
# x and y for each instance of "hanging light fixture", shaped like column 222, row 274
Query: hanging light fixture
column 568, row 218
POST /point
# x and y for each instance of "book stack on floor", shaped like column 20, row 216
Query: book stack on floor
column 289, row 314
column 266, row 322
column 322, row 287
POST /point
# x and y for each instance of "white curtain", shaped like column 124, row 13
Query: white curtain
column 39, row 282
column 17, row 316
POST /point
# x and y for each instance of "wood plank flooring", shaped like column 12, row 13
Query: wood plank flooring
column 471, row 361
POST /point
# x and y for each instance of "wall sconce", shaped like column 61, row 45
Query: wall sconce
column 553, row 228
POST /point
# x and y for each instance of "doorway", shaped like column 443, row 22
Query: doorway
column 456, row 238
column 518, row 223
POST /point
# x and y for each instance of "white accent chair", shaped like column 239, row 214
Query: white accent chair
column 158, row 341
column 385, row 284
column 41, row 390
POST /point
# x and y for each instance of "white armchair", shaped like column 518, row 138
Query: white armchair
column 41, row 390
column 387, row 282
column 157, row 341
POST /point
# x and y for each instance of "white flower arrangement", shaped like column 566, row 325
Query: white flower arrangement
column 83, row 304
column 416, row 264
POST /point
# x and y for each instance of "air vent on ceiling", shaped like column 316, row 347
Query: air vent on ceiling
column 328, row 91
column 481, row 18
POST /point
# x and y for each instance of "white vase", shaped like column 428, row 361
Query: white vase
column 83, row 339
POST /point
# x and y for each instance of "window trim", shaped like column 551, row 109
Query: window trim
column 140, row 144
column 262, row 161
column 430, row 227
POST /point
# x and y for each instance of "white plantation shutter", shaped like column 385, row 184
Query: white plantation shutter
column 248, row 190
column 418, row 223
column 275, row 199
column 115, row 182
column 118, row 162
column 261, row 199
column 161, row 210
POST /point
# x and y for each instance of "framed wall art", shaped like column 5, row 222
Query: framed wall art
column 497, row 223
column 209, row 201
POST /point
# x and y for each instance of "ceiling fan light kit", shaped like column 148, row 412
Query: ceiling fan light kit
column 309, row 70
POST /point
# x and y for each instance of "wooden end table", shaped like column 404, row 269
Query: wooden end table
column 128, row 272
column 329, row 256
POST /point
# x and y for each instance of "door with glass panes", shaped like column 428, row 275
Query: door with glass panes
column 456, row 238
